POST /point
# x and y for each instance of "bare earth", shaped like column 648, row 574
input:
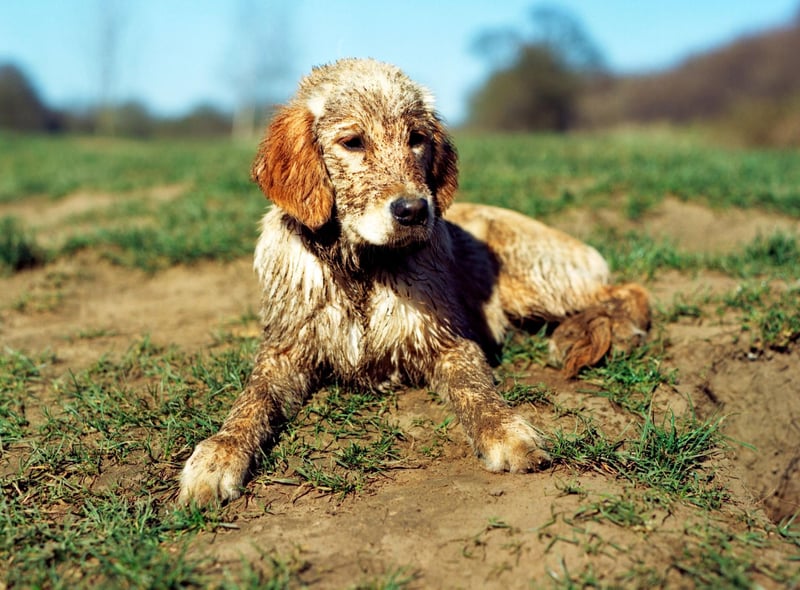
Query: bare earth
column 445, row 521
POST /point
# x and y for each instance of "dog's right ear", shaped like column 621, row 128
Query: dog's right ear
column 290, row 170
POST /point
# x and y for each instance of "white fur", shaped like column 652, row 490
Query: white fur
column 375, row 226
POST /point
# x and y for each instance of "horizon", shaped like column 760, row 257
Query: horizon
column 173, row 57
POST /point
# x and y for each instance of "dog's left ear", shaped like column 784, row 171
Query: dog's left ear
column 290, row 170
column 443, row 175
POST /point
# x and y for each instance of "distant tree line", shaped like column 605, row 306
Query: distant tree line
column 748, row 90
column 23, row 110
column 258, row 67
column 552, row 78
column 546, row 76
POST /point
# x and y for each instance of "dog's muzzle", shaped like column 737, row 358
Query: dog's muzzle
column 410, row 211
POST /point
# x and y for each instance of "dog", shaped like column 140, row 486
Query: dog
column 370, row 277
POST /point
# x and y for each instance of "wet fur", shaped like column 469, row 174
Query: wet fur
column 351, row 294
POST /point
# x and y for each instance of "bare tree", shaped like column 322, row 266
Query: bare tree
column 110, row 29
column 260, row 62
column 563, row 34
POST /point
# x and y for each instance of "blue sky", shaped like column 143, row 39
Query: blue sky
column 175, row 54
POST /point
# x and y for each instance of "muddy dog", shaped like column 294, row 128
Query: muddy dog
column 370, row 277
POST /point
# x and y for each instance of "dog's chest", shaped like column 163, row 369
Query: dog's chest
column 362, row 327
column 388, row 324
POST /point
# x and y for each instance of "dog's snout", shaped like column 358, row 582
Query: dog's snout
column 410, row 210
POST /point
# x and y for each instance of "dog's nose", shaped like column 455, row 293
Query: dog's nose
column 410, row 211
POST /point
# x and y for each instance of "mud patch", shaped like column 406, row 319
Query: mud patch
column 50, row 219
column 83, row 307
column 689, row 226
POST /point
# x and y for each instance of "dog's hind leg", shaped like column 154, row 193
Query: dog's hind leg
column 619, row 320
column 546, row 274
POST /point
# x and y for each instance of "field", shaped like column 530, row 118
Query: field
column 128, row 325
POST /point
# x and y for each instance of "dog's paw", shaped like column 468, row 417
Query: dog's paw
column 215, row 472
column 514, row 445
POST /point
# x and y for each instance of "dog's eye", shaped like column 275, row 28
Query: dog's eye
column 416, row 139
column 354, row 143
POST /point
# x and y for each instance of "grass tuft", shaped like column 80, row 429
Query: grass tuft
column 630, row 379
column 668, row 457
column 771, row 316
column 18, row 247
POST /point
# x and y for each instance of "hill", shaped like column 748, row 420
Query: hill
column 750, row 89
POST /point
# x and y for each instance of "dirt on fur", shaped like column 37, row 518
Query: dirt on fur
column 444, row 522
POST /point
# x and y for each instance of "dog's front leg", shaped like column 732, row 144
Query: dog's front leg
column 503, row 440
column 219, row 465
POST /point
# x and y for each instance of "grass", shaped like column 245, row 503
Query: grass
column 338, row 442
column 539, row 175
column 53, row 167
column 64, row 520
column 199, row 225
column 89, row 457
column 16, row 372
column 769, row 314
column 629, row 380
column 667, row 457
column 546, row 174
column 18, row 247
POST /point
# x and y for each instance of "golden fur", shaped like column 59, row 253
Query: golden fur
column 366, row 281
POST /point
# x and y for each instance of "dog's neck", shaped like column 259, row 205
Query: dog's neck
column 359, row 262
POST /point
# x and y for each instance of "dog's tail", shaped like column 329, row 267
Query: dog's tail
column 618, row 320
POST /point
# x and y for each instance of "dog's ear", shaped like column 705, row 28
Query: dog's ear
column 290, row 170
column 443, row 175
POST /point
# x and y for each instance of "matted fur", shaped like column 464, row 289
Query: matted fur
column 365, row 280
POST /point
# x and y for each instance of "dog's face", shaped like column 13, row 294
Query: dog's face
column 360, row 142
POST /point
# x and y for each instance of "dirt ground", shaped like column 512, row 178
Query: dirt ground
column 446, row 522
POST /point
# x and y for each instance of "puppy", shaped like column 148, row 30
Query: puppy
column 369, row 276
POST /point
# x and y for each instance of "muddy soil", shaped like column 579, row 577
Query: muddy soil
column 445, row 521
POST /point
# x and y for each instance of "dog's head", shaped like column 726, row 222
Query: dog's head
column 360, row 142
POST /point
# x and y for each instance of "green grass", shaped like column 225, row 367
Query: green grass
column 669, row 456
column 18, row 247
column 17, row 372
column 629, row 380
column 540, row 175
column 338, row 442
column 202, row 224
column 216, row 216
column 54, row 167
column 64, row 518
column 776, row 255
column 770, row 316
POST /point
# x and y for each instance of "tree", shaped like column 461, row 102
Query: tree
column 562, row 33
column 202, row 121
column 111, row 26
column 21, row 109
column 261, row 63
column 537, row 77
column 536, row 93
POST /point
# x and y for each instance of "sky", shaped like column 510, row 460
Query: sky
column 173, row 55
